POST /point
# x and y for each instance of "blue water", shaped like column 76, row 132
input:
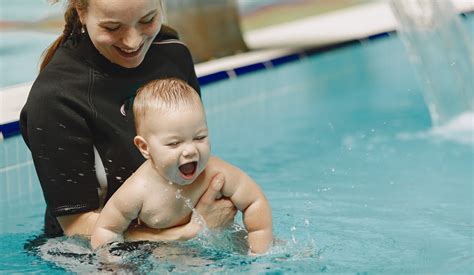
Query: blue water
column 342, row 145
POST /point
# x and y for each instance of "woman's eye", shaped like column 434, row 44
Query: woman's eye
column 148, row 21
column 111, row 29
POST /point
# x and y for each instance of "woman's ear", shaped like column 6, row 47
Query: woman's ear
column 82, row 15
column 142, row 145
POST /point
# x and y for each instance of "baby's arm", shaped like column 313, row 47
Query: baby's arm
column 248, row 198
column 117, row 214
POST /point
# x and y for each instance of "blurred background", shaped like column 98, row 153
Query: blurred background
column 234, row 19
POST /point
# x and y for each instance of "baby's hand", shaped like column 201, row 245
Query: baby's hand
column 108, row 254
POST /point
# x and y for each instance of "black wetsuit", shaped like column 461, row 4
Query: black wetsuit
column 80, row 100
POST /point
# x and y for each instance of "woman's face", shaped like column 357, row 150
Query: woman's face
column 122, row 30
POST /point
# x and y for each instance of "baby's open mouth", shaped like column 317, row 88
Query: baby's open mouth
column 188, row 169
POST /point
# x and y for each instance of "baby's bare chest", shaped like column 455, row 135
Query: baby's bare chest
column 170, row 207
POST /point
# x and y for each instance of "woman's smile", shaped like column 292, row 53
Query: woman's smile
column 129, row 53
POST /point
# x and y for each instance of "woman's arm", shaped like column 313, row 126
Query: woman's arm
column 216, row 212
column 83, row 224
column 78, row 224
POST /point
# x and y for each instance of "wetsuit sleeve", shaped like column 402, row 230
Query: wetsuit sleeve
column 192, row 78
column 54, row 125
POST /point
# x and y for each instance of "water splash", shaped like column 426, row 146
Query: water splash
column 459, row 130
column 439, row 46
column 196, row 216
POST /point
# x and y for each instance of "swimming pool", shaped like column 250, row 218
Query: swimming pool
column 341, row 144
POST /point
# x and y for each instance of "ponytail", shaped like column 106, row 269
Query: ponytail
column 71, row 27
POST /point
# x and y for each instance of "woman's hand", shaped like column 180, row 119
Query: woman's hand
column 216, row 211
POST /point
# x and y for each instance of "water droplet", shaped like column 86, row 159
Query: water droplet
column 39, row 129
column 373, row 130
column 452, row 64
column 62, row 125
column 60, row 149
column 306, row 222
column 293, row 229
column 333, row 169
column 81, row 174
column 118, row 178
column 109, row 160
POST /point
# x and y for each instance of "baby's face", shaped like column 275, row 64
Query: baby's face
column 178, row 143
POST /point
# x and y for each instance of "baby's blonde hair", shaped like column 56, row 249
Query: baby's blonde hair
column 163, row 95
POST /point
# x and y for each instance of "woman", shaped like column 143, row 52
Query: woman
column 77, row 112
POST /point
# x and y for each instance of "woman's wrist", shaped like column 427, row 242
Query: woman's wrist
column 193, row 227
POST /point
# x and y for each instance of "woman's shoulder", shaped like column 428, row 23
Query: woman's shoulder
column 166, row 33
column 63, row 73
column 168, row 40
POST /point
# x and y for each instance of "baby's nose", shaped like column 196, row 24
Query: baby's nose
column 189, row 151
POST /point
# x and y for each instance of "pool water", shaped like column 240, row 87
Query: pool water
column 342, row 145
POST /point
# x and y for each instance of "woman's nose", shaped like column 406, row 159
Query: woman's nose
column 132, row 39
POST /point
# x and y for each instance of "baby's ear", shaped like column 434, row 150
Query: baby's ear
column 142, row 145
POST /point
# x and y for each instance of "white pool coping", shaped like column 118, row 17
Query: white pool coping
column 266, row 44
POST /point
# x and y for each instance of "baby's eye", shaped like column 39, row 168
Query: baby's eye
column 173, row 144
column 200, row 137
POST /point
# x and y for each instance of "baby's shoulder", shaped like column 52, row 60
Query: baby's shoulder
column 136, row 186
column 217, row 166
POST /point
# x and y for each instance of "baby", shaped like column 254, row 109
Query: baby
column 172, row 135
